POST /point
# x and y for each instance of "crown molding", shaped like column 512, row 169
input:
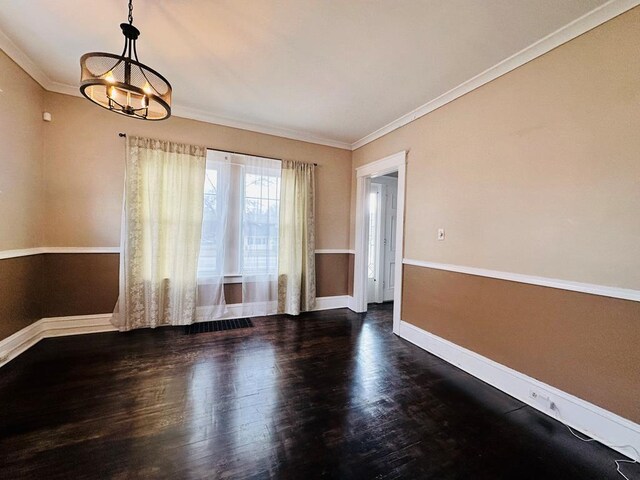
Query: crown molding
column 57, row 87
column 23, row 60
column 203, row 116
column 581, row 25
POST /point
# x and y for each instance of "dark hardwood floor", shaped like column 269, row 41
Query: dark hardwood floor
column 328, row 395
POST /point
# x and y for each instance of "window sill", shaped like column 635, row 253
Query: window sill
column 237, row 278
column 233, row 278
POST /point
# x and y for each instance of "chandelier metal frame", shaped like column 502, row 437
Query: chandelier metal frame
column 122, row 76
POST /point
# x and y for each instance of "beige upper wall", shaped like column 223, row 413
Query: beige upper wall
column 84, row 169
column 21, row 103
column 537, row 172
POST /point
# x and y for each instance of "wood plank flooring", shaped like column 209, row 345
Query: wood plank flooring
column 328, row 395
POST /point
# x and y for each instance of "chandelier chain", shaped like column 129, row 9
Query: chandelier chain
column 130, row 12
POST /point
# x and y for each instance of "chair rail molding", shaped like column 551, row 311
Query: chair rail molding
column 333, row 250
column 25, row 252
column 593, row 289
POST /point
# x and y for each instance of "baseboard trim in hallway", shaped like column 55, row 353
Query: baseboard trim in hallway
column 596, row 422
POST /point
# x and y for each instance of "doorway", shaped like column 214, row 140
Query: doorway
column 381, row 251
column 365, row 178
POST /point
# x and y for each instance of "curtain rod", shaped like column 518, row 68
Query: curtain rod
column 227, row 151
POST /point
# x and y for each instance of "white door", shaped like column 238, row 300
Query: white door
column 374, row 254
column 389, row 239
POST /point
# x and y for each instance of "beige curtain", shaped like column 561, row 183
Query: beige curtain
column 161, row 230
column 296, row 251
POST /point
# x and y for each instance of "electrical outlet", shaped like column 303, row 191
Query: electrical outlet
column 542, row 400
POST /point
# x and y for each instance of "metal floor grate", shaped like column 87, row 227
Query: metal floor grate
column 217, row 326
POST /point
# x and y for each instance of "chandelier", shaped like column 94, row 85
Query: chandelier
column 122, row 84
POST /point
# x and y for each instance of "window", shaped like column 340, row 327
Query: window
column 260, row 222
column 241, row 216
column 210, row 262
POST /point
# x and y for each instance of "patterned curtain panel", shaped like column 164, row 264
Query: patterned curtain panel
column 161, row 230
column 296, row 252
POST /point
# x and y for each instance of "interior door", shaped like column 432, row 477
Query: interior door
column 374, row 257
column 390, row 222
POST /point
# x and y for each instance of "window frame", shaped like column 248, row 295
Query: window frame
column 234, row 240
column 247, row 170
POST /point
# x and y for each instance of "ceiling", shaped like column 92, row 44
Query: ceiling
column 331, row 71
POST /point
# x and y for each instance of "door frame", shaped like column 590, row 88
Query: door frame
column 392, row 163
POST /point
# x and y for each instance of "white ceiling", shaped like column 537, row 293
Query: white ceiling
column 328, row 70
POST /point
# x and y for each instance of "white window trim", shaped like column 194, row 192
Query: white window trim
column 233, row 248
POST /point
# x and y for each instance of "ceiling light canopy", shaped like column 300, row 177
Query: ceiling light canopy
column 122, row 84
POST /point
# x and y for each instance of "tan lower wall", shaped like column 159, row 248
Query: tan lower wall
column 586, row 345
column 19, row 293
column 233, row 293
column 83, row 284
column 67, row 284
column 79, row 283
column 332, row 274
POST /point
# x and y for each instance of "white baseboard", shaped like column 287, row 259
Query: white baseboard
column 598, row 423
column 352, row 304
column 236, row 310
column 22, row 340
column 329, row 303
column 77, row 325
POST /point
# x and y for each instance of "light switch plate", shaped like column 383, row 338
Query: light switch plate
column 441, row 234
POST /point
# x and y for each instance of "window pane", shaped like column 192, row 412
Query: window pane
column 260, row 224
column 208, row 263
column 241, row 215
column 253, row 186
column 211, row 182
